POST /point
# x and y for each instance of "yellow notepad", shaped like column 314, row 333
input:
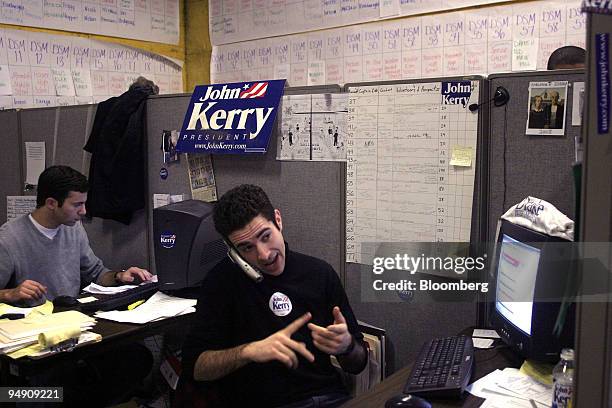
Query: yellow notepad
column 33, row 324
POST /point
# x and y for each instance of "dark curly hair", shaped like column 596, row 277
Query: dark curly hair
column 57, row 182
column 237, row 207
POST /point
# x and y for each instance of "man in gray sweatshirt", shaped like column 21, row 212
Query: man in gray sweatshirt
column 46, row 254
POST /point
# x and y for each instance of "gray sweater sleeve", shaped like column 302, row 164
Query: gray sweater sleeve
column 92, row 267
column 6, row 266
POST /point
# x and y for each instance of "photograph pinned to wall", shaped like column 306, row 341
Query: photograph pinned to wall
column 328, row 126
column 169, row 140
column 201, row 177
column 294, row 143
column 547, row 108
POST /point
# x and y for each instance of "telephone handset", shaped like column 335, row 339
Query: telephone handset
column 251, row 272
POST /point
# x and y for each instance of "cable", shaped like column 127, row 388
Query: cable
column 504, row 157
column 496, row 349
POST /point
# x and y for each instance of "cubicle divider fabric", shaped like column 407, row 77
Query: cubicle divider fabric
column 310, row 195
column 419, row 316
column 12, row 181
column 64, row 130
column 523, row 165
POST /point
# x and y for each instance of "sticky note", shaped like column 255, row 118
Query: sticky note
column 461, row 156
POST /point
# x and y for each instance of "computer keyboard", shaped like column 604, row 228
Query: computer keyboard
column 121, row 299
column 443, row 368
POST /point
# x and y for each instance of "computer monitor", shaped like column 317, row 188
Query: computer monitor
column 186, row 244
column 532, row 272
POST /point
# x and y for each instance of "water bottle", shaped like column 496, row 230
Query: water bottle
column 563, row 380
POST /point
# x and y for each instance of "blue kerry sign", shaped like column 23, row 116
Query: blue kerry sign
column 456, row 92
column 602, row 63
column 233, row 118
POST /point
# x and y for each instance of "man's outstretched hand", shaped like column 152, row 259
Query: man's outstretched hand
column 333, row 339
column 279, row 346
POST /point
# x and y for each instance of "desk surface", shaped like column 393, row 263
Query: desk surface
column 486, row 361
column 113, row 335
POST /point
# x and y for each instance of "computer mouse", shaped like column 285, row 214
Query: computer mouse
column 65, row 301
column 406, row 401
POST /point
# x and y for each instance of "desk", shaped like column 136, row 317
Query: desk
column 113, row 334
column 486, row 361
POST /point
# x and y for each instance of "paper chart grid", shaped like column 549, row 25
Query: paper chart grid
column 152, row 20
column 239, row 20
column 400, row 185
column 42, row 70
column 470, row 42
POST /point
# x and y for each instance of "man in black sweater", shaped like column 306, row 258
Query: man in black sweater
column 269, row 343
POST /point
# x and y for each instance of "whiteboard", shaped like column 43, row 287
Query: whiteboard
column 402, row 182
column 148, row 20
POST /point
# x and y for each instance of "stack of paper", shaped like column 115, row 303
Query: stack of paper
column 16, row 334
column 484, row 338
column 511, row 388
column 159, row 306
column 109, row 290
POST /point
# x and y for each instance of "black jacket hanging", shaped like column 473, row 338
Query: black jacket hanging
column 117, row 168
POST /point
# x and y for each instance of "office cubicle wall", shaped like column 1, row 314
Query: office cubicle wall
column 594, row 319
column 12, row 183
column 311, row 195
column 308, row 194
column 64, row 131
column 304, row 191
column 410, row 323
column 523, row 165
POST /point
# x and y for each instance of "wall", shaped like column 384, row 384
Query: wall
column 32, row 58
column 198, row 49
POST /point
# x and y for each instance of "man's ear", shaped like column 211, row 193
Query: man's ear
column 51, row 203
column 278, row 219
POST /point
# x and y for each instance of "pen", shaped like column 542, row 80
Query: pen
column 533, row 403
column 135, row 304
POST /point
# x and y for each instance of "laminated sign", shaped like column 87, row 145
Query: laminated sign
column 234, row 118
column 456, row 93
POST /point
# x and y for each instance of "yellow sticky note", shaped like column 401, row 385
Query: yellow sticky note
column 462, row 156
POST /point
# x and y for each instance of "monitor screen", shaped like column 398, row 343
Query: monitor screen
column 517, row 270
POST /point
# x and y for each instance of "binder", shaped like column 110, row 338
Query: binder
column 380, row 334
